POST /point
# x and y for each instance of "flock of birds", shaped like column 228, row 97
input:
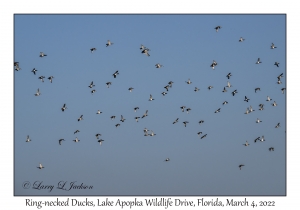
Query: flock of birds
column 147, row 132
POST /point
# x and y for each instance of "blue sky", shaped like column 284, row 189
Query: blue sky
column 129, row 163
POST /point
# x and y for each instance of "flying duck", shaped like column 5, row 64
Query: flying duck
column 145, row 51
column 112, row 117
column 42, row 54
column 76, row 140
column 246, row 99
column 109, row 43
column 258, row 61
column 246, row 144
column 279, row 77
column 50, row 78
column 274, row 103
column 16, row 64
column 115, row 74
column 142, row 47
column 261, row 107
column 136, row 108
column 64, row 108
column 108, row 84
column 189, row 81
column 28, row 139
column 167, row 87
column 279, row 81
column 182, row 108
column 93, row 49
column 76, row 131
column 276, row 64
column 201, row 122
column 258, row 120
column 176, row 121
column 257, row 139
column 164, row 93
column 34, row 71
column 152, row 133
column 262, row 139
column 40, row 166
column 188, row 109
column 240, row 166
column 130, row 89
column 136, row 119
column 80, row 118
column 203, row 136
column 100, row 141
column 218, row 110
column 234, row 92
column 224, row 90
column 247, row 111
column 60, row 140
column 228, row 75
column 225, row 102
column 117, row 125
column 268, row 98
column 228, row 85
column 196, row 89
column 158, row 65
column 241, row 39
column 251, row 109
column 278, row 125
column 145, row 114
column 185, row 122
column 151, row 98
column 42, row 78
column 38, row 92
column 199, row 133
column 168, row 159
column 214, row 63
column 170, row 84
column 98, row 112
column 18, row 68
column 271, row 149
column 256, row 89
column 91, row 85
column 97, row 135
column 210, row 87
column 273, row 46
column 217, row 28
column 122, row 118
column 93, row 91
column 282, row 90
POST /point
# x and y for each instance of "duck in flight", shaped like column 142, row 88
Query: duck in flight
column 109, row 43
column 151, row 98
column 50, row 78
column 42, row 54
column 34, row 71
column 100, row 141
column 64, row 108
column 258, row 61
column 76, row 140
column 80, row 118
column 60, row 140
column 240, row 166
column 116, row 73
column 28, row 139
column 93, row 49
column 38, row 92
column 217, row 28
column 40, row 166
column 122, row 118
column 91, row 85
column 176, row 121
